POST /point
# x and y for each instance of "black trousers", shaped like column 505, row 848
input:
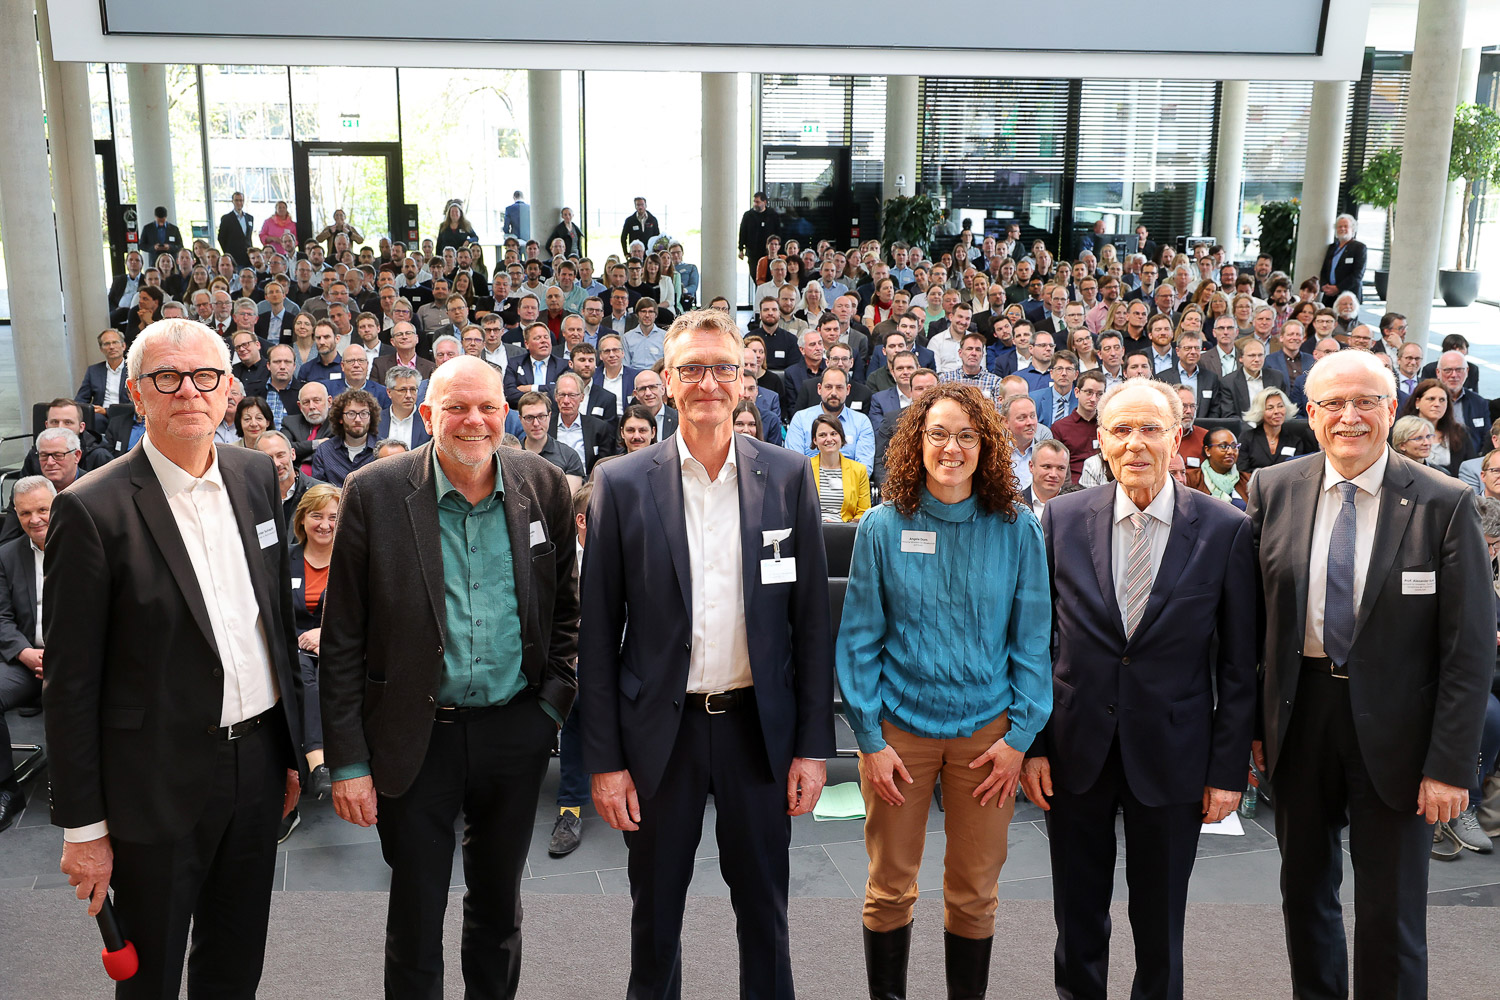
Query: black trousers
column 312, row 708
column 218, row 877
column 723, row 756
column 490, row 770
column 1321, row 785
column 19, row 687
column 1161, row 844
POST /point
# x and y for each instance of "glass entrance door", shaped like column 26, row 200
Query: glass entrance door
column 361, row 179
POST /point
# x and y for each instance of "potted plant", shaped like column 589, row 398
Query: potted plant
column 1475, row 157
column 1377, row 188
column 1278, row 231
column 910, row 219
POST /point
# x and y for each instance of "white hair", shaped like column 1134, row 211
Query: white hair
column 1168, row 394
column 1346, row 363
column 172, row 333
column 1257, row 411
column 67, row 437
column 30, row 484
column 1346, row 217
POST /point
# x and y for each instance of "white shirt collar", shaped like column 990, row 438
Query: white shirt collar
column 1159, row 508
column 692, row 466
column 174, row 478
column 1368, row 481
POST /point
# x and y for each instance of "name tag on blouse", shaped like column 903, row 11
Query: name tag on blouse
column 296, row 583
column 923, row 542
column 1289, row 451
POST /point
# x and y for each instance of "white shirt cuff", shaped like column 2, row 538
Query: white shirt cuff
column 84, row 834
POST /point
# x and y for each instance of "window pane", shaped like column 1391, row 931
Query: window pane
column 344, row 104
column 249, row 139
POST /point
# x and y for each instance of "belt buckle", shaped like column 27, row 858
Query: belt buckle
column 1338, row 671
column 232, row 735
column 708, row 703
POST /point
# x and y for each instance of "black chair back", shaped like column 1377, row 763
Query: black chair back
column 838, row 541
column 1210, row 424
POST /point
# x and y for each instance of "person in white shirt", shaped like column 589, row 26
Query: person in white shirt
column 404, row 424
column 944, row 346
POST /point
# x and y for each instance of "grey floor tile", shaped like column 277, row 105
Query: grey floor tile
column 1027, row 888
column 53, row 880
column 342, row 868
column 1237, row 878
column 1027, row 854
column 278, row 879
column 575, row 883
column 1479, row 895
column 706, row 880
column 601, row 847
column 30, row 850
column 18, row 882
column 807, row 831
column 1466, row 870
column 321, row 827
column 813, row 874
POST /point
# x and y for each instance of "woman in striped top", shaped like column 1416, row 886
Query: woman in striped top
column 843, row 483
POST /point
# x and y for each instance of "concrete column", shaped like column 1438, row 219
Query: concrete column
column 720, row 197
column 1424, row 163
column 1229, row 163
column 901, row 113
column 1468, row 87
column 1320, row 182
column 26, row 218
column 151, row 140
column 75, row 193
column 544, row 126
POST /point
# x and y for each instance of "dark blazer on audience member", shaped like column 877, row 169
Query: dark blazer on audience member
column 386, row 362
column 519, row 372
column 627, row 382
column 388, row 536
column 1234, row 390
column 419, row 433
column 303, row 441
column 599, row 438
column 1349, row 276
column 91, row 390
column 17, row 598
column 1255, row 450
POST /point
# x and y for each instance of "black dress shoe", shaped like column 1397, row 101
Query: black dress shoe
column 30, row 711
column 567, row 834
column 12, row 801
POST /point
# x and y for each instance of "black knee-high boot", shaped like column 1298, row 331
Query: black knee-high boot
column 968, row 966
column 886, row 954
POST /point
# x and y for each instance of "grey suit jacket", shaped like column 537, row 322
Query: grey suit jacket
column 385, row 619
column 1421, row 662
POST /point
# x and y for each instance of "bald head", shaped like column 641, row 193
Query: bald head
column 468, row 369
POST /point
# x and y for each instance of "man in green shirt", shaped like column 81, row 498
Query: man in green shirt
column 449, row 633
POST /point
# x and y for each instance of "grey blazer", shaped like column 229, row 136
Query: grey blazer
column 385, row 620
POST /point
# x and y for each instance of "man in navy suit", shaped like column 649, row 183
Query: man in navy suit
column 706, row 662
column 103, row 382
column 1150, row 586
column 887, row 404
column 537, row 369
column 1064, row 373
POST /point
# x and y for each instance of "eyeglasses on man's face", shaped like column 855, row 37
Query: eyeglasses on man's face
column 168, row 381
column 1363, row 404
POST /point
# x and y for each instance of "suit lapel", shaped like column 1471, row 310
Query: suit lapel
column 1398, row 501
column 1101, row 522
column 518, row 519
column 151, row 501
column 1302, row 511
column 666, row 488
column 1180, row 543
column 246, row 518
column 421, row 510
column 752, row 481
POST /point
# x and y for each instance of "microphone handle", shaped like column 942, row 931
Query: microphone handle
column 109, row 927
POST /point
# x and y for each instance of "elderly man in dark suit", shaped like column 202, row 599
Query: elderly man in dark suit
column 1378, row 607
column 173, row 701
column 20, row 632
column 722, row 682
column 454, row 705
column 1153, row 654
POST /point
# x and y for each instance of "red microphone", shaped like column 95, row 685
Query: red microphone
column 120, row 961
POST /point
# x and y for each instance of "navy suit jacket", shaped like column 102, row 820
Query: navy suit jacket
column 627, row 384
column 1155, row 691
column 519, row 372
column 637, row 626
column 419, row 435
column 885, row 405
column 1045, row 399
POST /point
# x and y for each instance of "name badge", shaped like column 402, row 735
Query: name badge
column 597, row 411
column 1419, row 583
column 857, row 405
column 1208, row 394
column 778, row 571
column 778, row 354
column 1479, row 421
column 1193, row 463
column 924, row 542
column 1096, row 444
column 296, row 583
column 335, row 376
column 1289, row 450
column 266, row 532
column 538, row 536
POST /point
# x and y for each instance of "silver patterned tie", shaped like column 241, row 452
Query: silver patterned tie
column 1137, row 574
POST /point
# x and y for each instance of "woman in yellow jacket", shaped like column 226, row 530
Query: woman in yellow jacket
column 843, row 483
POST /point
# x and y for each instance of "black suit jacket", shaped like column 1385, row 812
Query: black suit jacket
column 1179, row 694
column 303, row 442
column 1349, row 276
column 1234, row 390
column 134, row 681
column 1421, row 663
column 235, row 241
column 599, row 438
column 519, row 372
column 385, row 619
column 17, row 598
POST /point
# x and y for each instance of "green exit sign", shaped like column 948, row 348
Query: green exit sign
column 349, row 121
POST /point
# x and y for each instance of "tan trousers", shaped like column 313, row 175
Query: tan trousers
column 976, row 834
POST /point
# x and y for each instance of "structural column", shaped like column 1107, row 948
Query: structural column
column 1320, row 183
column 26, row 218
column 150, row 140
column 75, row 193
column 900, row 136
column 720, row 198
column 543, row 122
column 1229, row 164
column 1453, row 201
column 1424, row 162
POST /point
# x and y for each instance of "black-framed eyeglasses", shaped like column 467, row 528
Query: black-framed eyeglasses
column 695, row 373
column 168, row 380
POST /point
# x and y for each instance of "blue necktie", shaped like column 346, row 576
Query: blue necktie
column 1338, row 601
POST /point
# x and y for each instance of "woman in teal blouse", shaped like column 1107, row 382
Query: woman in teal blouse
column 945, row 667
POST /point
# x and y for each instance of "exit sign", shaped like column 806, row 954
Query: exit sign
column 349, row 121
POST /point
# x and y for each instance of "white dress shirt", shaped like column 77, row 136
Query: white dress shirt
column 1255, row 385
column 499, row 356
column 720, row 656
column 616, row 386
column 400, row 430
column 572, row 436
column 114, row 382
column 1158, row 529
column 36, row 556
column 944, row 352
column 1366, row 512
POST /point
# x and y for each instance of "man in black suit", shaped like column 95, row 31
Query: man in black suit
column 1153, row 657
column 160, row 236
column 456, row 700
column 291, row 481
column 1239, row 389
column 591, row 437
column 123, row 288
column 20, row 637
column 721, row 682
column 1377, row 622
column 173, row 700
column 235, row 231
column 1343, row 267
column 641, row 225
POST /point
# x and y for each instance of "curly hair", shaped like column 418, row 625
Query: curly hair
column 995, row 485
column 336, row 409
